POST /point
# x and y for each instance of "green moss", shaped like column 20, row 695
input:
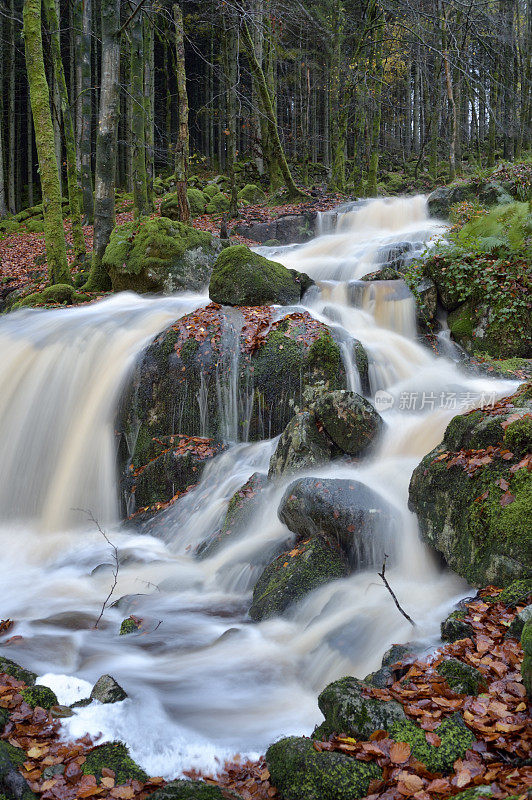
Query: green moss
column 128, row 626
column 347, row 710
column 192, row 790
column 301, row 773
column 462, row 678
column 211, row 190
column 218, row 204
column 292, row 576
column 518, row 435
column 324, row 357
column 455, row 740
column 454, row 628
column 40, row 696
column 114, row 756
column 189, row 350
column 526, row 666
column 196, row 201
column 515, row 594
column 251, row 193
column 461, row 323
column 35, row 226
column 4, row 719
column 21, row 674
column 243, row 278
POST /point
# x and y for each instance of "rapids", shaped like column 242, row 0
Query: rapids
column 206, row 683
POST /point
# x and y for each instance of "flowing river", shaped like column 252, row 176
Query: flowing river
column 204, row 682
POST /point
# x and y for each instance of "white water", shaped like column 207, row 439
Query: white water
column 204, row 682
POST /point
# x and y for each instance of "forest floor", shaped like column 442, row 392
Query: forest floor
column 22, row 254
column 498, row 717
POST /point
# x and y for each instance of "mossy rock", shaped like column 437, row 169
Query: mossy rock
column 350, row 421
column 516, row 627
column 462, row 678
column 481, row 539
column 196, row 201
column 301, row 446
column 17, row 672
column 193, row 790
column 211, row 190
column 12, row 784
column 454, row 628
column 218, row 204
column 243, row 278
column 293, row 575
column 40, row 696
column 253, row 194
column 35, row 226
column 299, row 772
column 4, row 719
column 114, row 756
column 128, row 626
column 513, row 595
column 9, row 226
column 347, row 710
column 159, row 255
column 526, row 666
column 456, row 739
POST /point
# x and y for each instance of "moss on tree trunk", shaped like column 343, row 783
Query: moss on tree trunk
column 54, row 233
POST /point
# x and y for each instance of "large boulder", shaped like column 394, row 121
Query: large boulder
column 300, row 772
column 473, row 493
column 294, row 574
column 302, row 446
column 224, row 374
column 348, row 710
column 160, row 255
column 243, row 278
column 115, row 756
column 288, row 229
column 12, row 784
column 350, row 421
column 348, row 512
column 253, row 194
column 455, row 737
column 17, row 672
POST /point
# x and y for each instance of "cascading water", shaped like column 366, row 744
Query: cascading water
column 206, row 682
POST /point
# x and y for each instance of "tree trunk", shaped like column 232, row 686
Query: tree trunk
column 293, row 192
column 104, row 207
column 230, row 54
column 68, row 130
column 29, row 149
column 11, row 157
column 85, row 136
column 371, row 186
column 3, row 205
column 182, row 148
column 54, row 233
column 149, row 101
column 140, row 188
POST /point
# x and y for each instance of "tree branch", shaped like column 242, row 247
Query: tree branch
column 396, row 601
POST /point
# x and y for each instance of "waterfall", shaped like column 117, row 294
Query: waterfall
column 205, row 683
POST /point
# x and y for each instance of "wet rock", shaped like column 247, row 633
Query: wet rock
column 483, row 540
column 441, row 199
column 128, row 625
column 113, row 756
column 455, row 737
column 301, row 446
column 4, row 719
column 462, row 678
column 61, row 712
column 242, row 506
column 16, row 671
column 526, row 666
column 301, row 773
column 426, row 296
column 394, row 256
column 107, row 690
column 395, row 664
column 12, row 784
column 289, row 229
column 346, row 511
column 193, row 790
column 350, row 421
column 39, row 696
column 51, row 771
column 454, row 628
column 294, row 574
column 243, row 278
column 160, row 255
column 516, row 627
column 347, row 710
column 173, row 471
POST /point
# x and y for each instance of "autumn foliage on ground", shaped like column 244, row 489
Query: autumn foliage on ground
column 499, row 717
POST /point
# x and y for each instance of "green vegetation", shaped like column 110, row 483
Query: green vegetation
column 113, row 756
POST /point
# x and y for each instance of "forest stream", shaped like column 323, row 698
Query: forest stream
column 205, row 682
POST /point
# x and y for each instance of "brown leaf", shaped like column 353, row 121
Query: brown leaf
column 400, row 752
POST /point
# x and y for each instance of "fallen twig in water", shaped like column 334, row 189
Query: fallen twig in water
column 396, row 601
column 115, row 556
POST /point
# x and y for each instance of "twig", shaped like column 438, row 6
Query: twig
column 115, row 555
column 396, row 601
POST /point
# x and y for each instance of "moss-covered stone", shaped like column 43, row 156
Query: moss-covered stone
column 211, row 190
column 324, row 356
column 243, row 278
column 484, row 540
column 40, row 696
column 515, row 629
column 128, row 625
column 12, row 784
column 462, row 678
column 347, row 710
column 251, row 193
column 218, row 204
column 21, row 674
column 301, row 446
column 454, row 628
column 196, row 201
column 114, row 756
column 35, row 226
column 526, row 666
column 4, row 719
column 294, row 574
column 193, row 790
column 515, row 594
column 456, row 739
column 299, row 772
column 159, row 255
column 350, row 420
